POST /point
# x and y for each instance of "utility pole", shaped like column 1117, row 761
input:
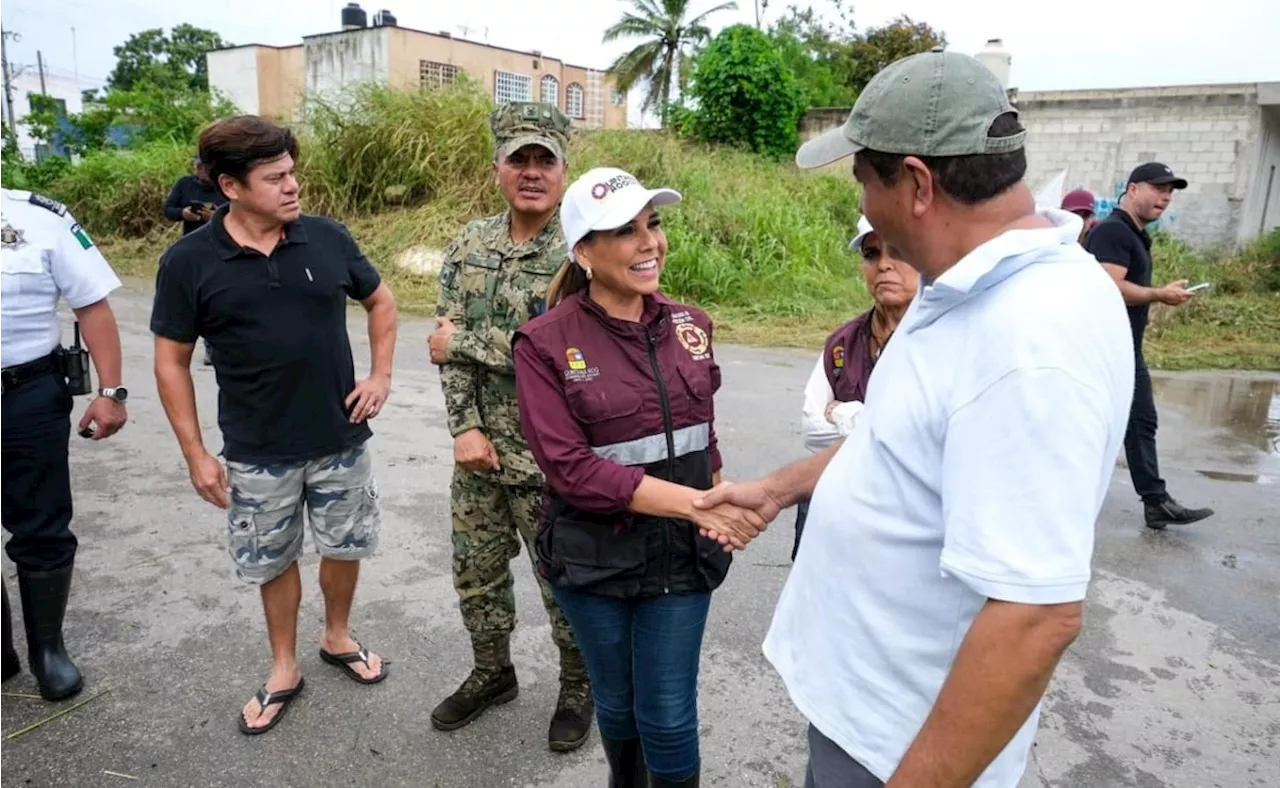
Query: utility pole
column 5, row 35
column 40, row 66
column 75, row 62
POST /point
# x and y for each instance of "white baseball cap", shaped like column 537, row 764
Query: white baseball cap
column 605, row 199
column 864, row 227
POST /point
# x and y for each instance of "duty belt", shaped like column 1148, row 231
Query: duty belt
column 19, row 374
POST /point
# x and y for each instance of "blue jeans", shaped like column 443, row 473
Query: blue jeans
column 642, row 656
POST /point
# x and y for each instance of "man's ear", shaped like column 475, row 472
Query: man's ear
column 229, row 186
column 923, row 185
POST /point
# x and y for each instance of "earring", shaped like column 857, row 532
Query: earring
column 588, row 270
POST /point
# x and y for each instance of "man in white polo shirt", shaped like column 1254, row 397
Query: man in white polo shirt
column 949, row 537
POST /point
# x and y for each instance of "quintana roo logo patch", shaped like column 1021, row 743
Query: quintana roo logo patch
column 575, row 358
column 693, row 338
column 837, row 356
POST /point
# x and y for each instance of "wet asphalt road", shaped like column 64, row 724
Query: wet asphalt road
column 1175, row 681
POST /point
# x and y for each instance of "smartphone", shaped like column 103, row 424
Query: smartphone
column 1199, row 287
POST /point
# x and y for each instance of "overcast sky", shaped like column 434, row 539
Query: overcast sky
column 1055, row 46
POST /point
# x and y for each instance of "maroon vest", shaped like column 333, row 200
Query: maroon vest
column 847, row 359
column 642, row 396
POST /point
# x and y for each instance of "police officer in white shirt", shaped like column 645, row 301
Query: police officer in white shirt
column 47, row 255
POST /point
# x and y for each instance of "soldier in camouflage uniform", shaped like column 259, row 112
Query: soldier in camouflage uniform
column 494, row 279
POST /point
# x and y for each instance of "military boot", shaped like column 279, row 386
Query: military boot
column 12, row 665
column 492, row 682
column 44, row 602
column 571, row 724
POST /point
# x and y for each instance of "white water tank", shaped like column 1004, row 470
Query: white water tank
column 996, row 58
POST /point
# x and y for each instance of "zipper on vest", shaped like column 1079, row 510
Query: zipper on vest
column 671, row 453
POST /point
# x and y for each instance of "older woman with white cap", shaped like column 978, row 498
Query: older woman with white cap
column 837, row 388
column 616, row 388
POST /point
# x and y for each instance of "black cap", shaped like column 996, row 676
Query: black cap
column 1154, row 172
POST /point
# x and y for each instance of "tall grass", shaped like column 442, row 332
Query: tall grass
column 372, row 148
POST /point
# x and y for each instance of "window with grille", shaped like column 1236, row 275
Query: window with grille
column 617, row 98
column 434, row 75
column 509, row 86
column 573, row 100
column 550, row 90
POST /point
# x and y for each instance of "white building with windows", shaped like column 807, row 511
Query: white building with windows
column 60, row 88
column 271, row 81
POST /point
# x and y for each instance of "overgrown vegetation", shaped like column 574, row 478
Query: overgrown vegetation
column 760, row 244
column 1236, row 323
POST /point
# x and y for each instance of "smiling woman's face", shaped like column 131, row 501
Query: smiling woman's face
column 532, row 180
column 627, row 261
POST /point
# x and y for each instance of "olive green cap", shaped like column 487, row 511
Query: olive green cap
column 520, row 123
column 935, row 103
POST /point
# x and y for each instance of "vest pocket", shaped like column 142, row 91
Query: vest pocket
column 582, row 555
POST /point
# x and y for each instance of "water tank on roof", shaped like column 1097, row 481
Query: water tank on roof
column 353, row 17
column 996, row 58
column 384, row 18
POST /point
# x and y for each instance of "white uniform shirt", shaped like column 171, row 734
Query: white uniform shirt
column 44, row 254
column 819, row 433
column 977, row 471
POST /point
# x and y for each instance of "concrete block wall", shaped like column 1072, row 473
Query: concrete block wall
column 1208, row 135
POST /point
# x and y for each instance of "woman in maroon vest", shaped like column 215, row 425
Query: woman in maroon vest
column 615, row 386
column 834, row 396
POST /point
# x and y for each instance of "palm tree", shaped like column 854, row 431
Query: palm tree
column 664, row 59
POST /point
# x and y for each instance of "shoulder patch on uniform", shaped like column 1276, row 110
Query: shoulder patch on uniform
column 48, row 203
column 81, row 237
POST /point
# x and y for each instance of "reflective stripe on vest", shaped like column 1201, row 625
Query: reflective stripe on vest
column 653, row 448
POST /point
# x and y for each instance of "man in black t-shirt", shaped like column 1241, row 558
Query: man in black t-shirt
column 1123, row 246
column 267, row 287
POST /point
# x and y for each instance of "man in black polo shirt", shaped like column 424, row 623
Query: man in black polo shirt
column 267, row 287
column 1123, row 246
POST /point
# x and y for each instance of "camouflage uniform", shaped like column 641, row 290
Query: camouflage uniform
column 489, row 286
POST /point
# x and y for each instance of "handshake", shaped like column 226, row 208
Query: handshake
column 734, row 514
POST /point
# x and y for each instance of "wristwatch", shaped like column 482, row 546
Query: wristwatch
column 119, row 393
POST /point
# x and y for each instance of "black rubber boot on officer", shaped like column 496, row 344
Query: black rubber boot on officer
column 12, row 665
column 44, row 602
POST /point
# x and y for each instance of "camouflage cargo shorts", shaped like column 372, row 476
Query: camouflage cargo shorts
column 265, row 522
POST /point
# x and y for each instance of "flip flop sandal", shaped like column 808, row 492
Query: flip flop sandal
column 344, row 661
column 265, row 699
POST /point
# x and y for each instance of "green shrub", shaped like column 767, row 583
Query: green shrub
column 745, row 94
column 122, row 192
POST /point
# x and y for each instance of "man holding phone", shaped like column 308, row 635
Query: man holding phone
column 192, row 201
column 1123, row 246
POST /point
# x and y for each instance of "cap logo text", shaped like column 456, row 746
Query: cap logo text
column 616, row 183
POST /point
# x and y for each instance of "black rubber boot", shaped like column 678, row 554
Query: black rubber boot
column 12, row 665
column 626, row 763
column 44, row 601
column 491, row 683
column 692, row 781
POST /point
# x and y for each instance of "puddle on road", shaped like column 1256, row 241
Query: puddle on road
column 1232, row 422
column 1250, row 478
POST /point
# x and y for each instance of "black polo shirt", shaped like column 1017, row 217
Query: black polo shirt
column 1118, row 240
column 278, row 330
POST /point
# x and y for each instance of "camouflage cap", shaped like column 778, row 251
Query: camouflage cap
column 521, row 123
